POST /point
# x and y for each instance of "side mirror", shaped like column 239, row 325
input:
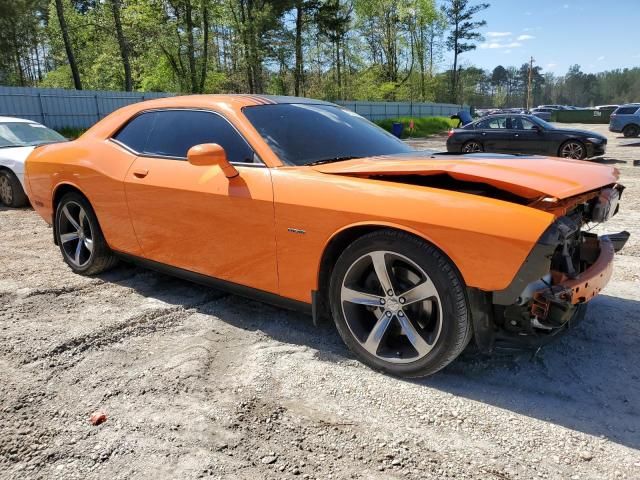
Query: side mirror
column 537, row 128
column 209, row 154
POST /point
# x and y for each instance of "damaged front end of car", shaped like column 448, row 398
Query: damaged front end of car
column 566, row 268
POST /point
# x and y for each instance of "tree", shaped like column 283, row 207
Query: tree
column 427, row 26
column 67, row 45
column 123, row 44
column 305, row 10
column 333, row 21
column 463, row 31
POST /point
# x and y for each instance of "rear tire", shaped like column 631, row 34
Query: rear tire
column 414, row 321
column 11, row 191
column 80, row 238
column 631, row 131
column 472, row 147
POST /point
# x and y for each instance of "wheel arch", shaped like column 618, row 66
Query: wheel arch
column 344, row 237
column 60, row 191
column 472, row 140
column 571, row 139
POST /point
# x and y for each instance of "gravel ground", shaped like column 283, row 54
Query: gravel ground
column 198, row 383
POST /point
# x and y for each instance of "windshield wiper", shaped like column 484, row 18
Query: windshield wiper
column 331, row 160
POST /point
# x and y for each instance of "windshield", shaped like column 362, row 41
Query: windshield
column 23, row 134
column 302, row 134
column 541, row 122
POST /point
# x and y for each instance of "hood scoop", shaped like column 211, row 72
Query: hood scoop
column 527, row 177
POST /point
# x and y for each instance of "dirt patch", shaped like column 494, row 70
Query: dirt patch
column 197, row 383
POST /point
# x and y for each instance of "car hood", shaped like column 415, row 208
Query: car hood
column 526, row 176
column 582, row 133
column 14, row 157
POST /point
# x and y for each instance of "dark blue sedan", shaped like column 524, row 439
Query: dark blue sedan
column 526, row 134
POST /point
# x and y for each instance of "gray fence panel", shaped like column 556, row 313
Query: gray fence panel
column 59, row 108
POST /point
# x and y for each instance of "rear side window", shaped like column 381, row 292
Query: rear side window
column 626, row 110
column 499, row 122
column 135, row 133
column 176, row 131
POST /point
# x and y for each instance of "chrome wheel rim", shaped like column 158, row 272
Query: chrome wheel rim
column 76, row 236
column 6, row 192
column 391, row 307
column 573, row 150
column 472, row 147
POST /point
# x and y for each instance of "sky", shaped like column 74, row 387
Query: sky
column 596, row 34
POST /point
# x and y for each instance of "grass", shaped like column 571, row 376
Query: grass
column 423, row 127
column 71, row 133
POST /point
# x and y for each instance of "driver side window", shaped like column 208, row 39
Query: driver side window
column 171, row 133
column 524, row 124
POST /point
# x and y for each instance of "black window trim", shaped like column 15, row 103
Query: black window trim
column 259, row 164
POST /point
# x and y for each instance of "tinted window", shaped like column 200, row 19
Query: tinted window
column 176, row 131
column 519, row 123
column 626, row 110
column 305, row 133
column 498, row 122
column 135, row 133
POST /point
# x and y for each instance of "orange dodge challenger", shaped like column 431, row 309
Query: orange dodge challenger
column 305, row 204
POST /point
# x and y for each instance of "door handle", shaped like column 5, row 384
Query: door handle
column 141, row 173
column 484, row 134
column 516, row 135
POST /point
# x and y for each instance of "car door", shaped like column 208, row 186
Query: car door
column 194, row 217
column 527, row 137
column 494, row 135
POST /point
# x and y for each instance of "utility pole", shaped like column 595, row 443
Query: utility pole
column 529, row 84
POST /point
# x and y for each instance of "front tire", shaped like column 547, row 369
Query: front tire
column 399, row 304
column 573, row 149
column 11, row 191
column 80, row 238
column 631, row 131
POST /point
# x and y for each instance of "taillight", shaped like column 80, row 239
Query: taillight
column 451, row 132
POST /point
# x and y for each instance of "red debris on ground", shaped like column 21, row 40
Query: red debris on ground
column 97, row 418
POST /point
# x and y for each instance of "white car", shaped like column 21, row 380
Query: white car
column 18, row 138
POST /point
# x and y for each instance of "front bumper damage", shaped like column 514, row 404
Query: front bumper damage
column 554, row 304
column 566, row 269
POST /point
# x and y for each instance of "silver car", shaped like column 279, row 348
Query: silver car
column 18, row 138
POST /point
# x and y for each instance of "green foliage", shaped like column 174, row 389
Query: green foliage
column 71, row 133
column 379, row 50
column 423, row 127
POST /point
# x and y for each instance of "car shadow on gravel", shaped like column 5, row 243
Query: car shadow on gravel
column 589, row 380
column 607, row 161
column 280, row 324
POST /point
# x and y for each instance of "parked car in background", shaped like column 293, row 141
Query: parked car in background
column 626, row 119
column 308, row 205
column 526, row 134
column 18, row 138
column 543, row 112
column 554, row 107
column 606, row 107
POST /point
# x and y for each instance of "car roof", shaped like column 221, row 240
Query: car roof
column 15, row 120
column 238, row 100
column 506, row 114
